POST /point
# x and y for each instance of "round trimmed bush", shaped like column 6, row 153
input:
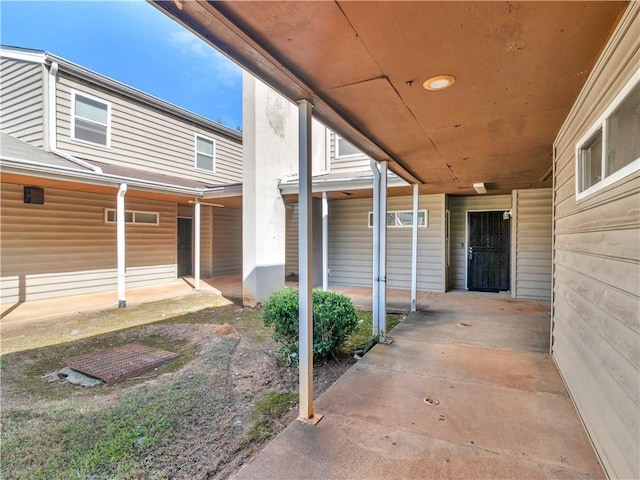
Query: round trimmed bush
column 334, row 319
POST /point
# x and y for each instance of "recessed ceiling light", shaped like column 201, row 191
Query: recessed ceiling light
column 439, row 82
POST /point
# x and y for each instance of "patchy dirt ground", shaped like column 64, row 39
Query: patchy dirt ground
column 200, row 416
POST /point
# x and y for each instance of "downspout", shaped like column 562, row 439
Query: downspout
column 120, row 236
column 53, row 128
column 376, row 245
column 414, row 252
column 325, row 242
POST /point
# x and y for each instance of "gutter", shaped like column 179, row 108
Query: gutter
column 339, row 185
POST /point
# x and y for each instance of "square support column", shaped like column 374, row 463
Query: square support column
column 196, row 244
column 305, row 252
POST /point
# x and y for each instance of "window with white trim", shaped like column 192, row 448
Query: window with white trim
column 205, row 153
column 611, row 148
column 403, row 218
column 91, row 120
column 132, row 216
column 346, row 149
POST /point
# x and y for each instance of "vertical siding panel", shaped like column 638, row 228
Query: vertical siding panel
column 21, row 98
column 459, row 207
column 596, row 266
column 533, row 217
column 64, row 247
column 227, row 241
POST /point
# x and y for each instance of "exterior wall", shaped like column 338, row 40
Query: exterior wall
column 206, row 241
column 350, row 244
column 596, row 290
column 21, row 97
column 459, row 206
column 291, row 254
column 64, row 247
column 531, row 246
column 145, row 137
column 227, row 241
column 356, row 163
column 270, row 153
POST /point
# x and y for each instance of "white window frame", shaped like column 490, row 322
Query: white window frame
column 133, row 216
column 396, row 212
column 337, row 150
column 195, row 152
column 601, row 124
column 74, row 94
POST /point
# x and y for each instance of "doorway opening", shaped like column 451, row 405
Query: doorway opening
column 488, row 261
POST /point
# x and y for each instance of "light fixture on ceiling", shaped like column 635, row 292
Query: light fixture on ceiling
column 479, row 187
column 439, row 82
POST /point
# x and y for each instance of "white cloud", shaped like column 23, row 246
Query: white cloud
column 208, row 58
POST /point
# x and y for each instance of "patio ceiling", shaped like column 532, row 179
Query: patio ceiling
column 518, row 66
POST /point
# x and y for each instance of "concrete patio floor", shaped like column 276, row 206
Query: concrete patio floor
column 499, row 408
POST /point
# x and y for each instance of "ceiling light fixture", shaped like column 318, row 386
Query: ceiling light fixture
column 439, row 82
column 479, row 187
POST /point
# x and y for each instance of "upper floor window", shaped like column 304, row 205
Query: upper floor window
column 91, row 120
column 611, row 148
column 205, row 154
column 345, row 149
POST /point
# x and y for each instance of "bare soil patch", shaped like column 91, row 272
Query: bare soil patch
column 200, row 416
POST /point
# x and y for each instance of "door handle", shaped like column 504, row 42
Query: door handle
column 470, row 253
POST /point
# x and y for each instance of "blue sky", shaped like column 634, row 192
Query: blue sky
column 134, row 43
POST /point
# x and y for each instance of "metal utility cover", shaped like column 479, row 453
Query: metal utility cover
column 116, row 364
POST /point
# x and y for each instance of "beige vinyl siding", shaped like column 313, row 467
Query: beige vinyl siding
column 291, row 239
column 532, row 243
column 596, row 273
column 459, row 207
column 64, row 247
column 206, row 241
column 356, row 163
column 21, row 100
column 350, row 244
column 227, row 241
column 146, row 137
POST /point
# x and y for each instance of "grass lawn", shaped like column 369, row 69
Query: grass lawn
column 201, row 415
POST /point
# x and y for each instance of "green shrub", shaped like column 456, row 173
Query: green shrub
column 334, row 319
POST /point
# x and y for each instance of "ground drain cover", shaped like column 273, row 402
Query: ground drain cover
column 431, row 401
column 114, row 365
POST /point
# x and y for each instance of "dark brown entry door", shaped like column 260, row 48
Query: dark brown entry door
column 185, row 262
column 488, row 255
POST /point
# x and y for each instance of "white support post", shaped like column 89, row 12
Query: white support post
column 196, row 244
column 325, row 242
column 414, row 252
column 305, row 250
column 120, row 242
column 382, row 319
column 376, row 246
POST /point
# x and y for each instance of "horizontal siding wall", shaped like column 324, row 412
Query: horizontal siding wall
column 356, row 163
column 596, row 274
column 351, row 249
column 291, row 248
column 533, row 219
column 147, row 138
column 64, row 247
column 459, row 206
column 206, row 241
column 21, row 100
column 227, row 241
